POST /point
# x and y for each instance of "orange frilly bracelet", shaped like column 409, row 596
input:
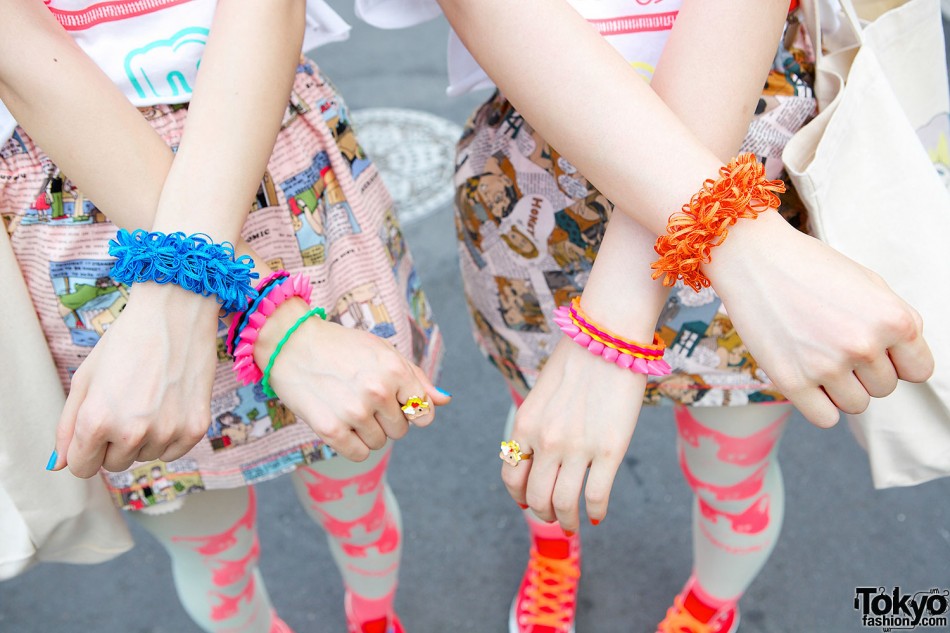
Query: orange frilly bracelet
column 740, row 192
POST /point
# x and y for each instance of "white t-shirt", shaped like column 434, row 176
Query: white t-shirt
column 151, row 49
column 638, row 29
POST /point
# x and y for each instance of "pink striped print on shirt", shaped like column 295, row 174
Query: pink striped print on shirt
column 108, row 12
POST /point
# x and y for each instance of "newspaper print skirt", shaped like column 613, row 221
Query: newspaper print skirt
column 529, row 226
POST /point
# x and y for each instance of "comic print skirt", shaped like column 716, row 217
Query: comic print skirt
column 321, row 209
column 529, row 227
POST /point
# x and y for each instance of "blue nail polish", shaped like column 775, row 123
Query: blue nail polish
column 443, row 392
column 51, row 464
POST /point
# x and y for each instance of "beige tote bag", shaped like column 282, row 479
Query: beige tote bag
column 873, row 169
column 43, row 516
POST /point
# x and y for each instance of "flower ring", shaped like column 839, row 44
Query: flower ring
column 511, row 453
column 415, row 407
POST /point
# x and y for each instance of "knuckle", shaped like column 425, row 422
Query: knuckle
column 563, row 506
column 536, row 501
column 549, row 444
column 509, row 477
column 356, row 411
column 907, row 324
column 595, row 497
column 332, row 433
column 607, row 453
column 398, row 431
column 863, row 350
column 376, row 391
column 91, row 426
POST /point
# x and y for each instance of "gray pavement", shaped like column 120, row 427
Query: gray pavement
column 465, row 546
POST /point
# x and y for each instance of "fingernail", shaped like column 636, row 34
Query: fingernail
column 569, row 533
column 523, row 506
column 51, row 464
column 595, row 521
column 443, row 392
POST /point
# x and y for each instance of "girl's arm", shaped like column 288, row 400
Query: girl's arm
column 240, row 97
column 809, row 315
column 582, row 411
column 154, row 403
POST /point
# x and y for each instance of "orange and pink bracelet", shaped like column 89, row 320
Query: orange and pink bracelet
column 637, row 357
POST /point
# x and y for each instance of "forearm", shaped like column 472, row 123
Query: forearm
column 120, row 166
column 239, row 101
column 717, row 107
column 620, row 134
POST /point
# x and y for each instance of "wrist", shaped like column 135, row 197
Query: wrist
column 274, row 328
column 173, row 299
column 748, row 241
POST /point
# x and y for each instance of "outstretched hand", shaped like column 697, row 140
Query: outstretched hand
column 348, row 385
column 580, row 415
column 144, row 391
column 828, row 332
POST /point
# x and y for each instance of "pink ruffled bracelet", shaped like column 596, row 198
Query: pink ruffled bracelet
column 637, row 357
column 240, row 319
column 290, row 286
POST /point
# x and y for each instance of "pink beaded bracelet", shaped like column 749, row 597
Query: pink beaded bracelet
column 244, row 366
column 638, row 358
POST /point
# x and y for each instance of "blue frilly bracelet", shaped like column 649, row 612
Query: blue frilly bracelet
column 194, row 262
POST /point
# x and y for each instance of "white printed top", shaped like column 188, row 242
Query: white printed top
column 151, row 49
column 638, row 29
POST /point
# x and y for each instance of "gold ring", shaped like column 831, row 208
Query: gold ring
column 415, row 407
column 511, row 453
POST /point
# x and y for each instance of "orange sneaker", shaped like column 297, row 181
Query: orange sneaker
column 691, row 614
column 547, row 598
column 382, row 625
column 279, row 626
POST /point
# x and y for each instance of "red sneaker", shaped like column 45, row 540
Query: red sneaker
column 382, row 625
column 279, row 626
column 547, row 598
column 690, row 614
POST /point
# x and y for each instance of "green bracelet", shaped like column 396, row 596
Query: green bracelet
column 265, row 381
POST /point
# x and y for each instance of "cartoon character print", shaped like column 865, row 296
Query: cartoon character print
column 59, row 202
column 266, row 195
column 337, row 117
column 297, row 104
column 247, row 416
column 391, row 235
column 519, row 305
column 363, row 308
column 319, row 211
column 89, row 299
column 570, row 182
column 563, row 287
column 578, row 231
column 155, row 482
column 468, row 225
column 500, row 352
column 491, row 196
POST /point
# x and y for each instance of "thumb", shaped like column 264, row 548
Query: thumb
column 439, row 397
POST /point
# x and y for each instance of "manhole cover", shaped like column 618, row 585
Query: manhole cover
column 415, row 153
